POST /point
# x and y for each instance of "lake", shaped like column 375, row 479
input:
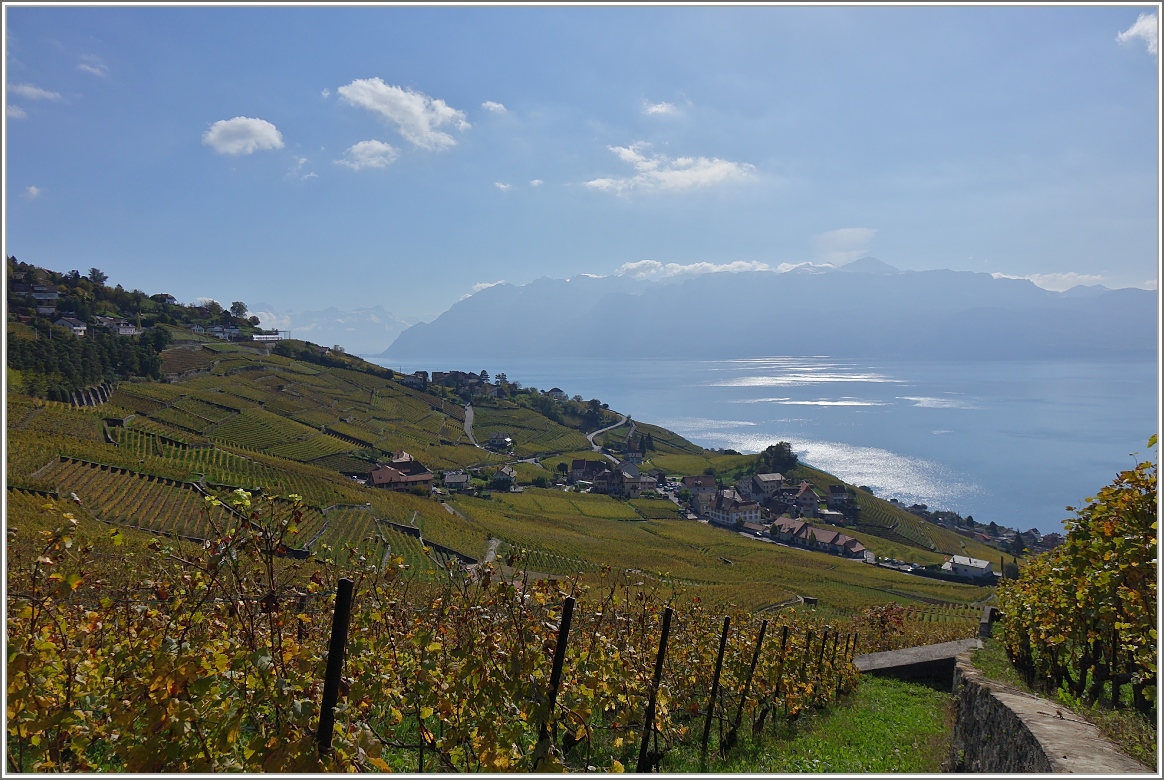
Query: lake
column 1013, row 442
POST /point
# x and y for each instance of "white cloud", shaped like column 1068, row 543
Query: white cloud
column 501, row 186
column 659, row 109
column 1146, row 28
column 242, row 135
column 479, row 286
column 1058, row 282
column 326, row 92
column 91, row 63
column 15, row 112
column 32, row 192
column 33, row 92
column 416, row 115
column 838, row 247
column 369, row 154
column 297, row 168
column 490, row 105
column 659, row 173
column 536, row 182
column 653, row 269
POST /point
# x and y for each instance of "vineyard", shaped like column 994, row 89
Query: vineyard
column 1082, row 618
column 531, row 432
column 208, row 674
column 149, row 503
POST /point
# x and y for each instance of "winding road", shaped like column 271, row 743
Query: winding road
column 598, row 448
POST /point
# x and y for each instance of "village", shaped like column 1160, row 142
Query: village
column 764, row 506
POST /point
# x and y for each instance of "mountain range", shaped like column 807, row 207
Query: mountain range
column 865, row 309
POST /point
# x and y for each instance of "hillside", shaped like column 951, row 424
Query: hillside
column 245, row 417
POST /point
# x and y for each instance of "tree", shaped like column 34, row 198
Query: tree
column 484, row 376
column 97, row 276
column 238, row 309
column 778, row 458
column 213, row 307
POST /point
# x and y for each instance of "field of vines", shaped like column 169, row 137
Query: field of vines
column 1083, row 617
column 259, row 430
column 135, row 500
column 531, row 432
column 429, row 668
column 180, row 360
column 655, row 508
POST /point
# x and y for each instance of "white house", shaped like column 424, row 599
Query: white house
column 974, row 568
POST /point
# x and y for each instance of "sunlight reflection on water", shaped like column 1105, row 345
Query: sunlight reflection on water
column 906, row 478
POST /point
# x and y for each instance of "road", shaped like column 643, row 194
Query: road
column 469, row 424
column 597, row 448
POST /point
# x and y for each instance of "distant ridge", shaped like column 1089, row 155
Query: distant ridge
column 866, row 309
column 869, row 265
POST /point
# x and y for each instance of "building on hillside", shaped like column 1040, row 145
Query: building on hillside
column 504, row 479
column 700, row 485
column 418, row 380
column 456, row 480
column 807, row 500
column 974, row 568
column 74, row 325
column 632, row 456
column 403, row 473
column 801, row 534
column 731, row 509
column 830, row 516
column 838, row 497
column 500, row 441
column 766, row 485
column 582, row 469
column 623, row 482
column 557, row 394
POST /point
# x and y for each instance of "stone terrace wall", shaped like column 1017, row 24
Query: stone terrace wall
column 999, row 728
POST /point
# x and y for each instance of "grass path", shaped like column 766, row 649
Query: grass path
column 885, row 726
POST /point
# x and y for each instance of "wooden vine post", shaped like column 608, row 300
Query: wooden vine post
column 556, row 671
column 727, row 621
column 649, row 719
column 335, row 664
column 730, row 740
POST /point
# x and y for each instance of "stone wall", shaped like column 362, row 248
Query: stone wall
column 999, row 728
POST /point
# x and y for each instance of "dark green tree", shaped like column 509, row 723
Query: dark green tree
column 97, row 276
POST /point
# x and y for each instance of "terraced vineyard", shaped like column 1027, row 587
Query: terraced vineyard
column 136, row 500
column 531, row 432
column 259, row 428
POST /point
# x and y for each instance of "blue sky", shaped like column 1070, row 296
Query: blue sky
column 403, row 157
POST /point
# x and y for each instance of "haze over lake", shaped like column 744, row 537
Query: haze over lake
column 1014, row 442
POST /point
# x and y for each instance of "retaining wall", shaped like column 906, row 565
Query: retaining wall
column 999, row 728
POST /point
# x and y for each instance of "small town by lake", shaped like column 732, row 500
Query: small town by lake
column 1009, row 441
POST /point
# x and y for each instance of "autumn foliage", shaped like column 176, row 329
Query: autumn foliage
column 215, row 661
column 1083, row 616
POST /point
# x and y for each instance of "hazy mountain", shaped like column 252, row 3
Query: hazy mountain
column 864, row 309
column 359, row 331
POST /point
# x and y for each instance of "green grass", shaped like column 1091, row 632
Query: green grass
column 885, row 726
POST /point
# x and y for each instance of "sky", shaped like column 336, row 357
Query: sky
column 406, row 157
